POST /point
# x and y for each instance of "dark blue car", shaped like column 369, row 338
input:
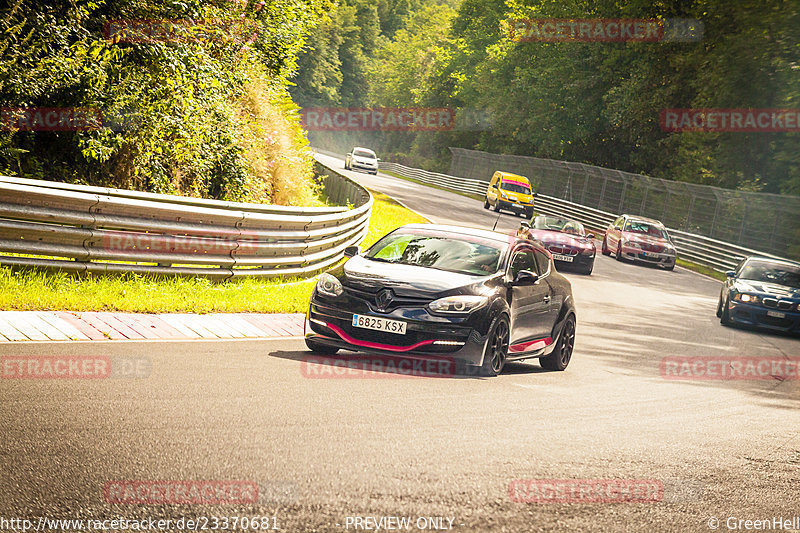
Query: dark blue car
column 762, row 292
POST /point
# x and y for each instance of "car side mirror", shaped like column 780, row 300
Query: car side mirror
column 351, row 251
column 731, row 273
column 535, row 194
column 377, row 159
column 590, row 236
column 525, row 277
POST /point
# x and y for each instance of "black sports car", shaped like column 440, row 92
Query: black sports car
column 430, row 291
column 762, row 292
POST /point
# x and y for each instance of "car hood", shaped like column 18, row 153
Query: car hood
column 646, row 239
column 562, row 239
column 766, row 288
column 405, row 280
column 359, row 159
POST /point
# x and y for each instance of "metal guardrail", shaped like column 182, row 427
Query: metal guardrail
column 100, row 230
column 719, row 255
column 465, row 185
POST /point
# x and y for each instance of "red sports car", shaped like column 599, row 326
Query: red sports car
column 565, row 239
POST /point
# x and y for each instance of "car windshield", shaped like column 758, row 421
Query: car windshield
column 364, row 153
column 559, row 224
column 646, row 228
column 769, row 272
column 515, row 186
column 455, row 253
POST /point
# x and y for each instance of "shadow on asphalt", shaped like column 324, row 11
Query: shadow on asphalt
column 353, row 364
column 639, row 342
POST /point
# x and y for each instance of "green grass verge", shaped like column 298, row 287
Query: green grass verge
column 468, row 195
column 701, row 269
column 29, row 290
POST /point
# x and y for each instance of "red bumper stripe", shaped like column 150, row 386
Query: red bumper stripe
column 375, row 345
column 530, row 345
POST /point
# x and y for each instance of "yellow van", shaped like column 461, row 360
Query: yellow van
column 511, row 192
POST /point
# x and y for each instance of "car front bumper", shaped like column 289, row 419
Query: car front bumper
column 460, row 342
column 651, row 258
column 515, row 206
column 578, row 261
column 364, row 166
column 759, row 316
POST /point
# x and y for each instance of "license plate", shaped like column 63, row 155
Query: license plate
column 379, row 324
column 650, row 254
column 776, row 314
column 564, row 258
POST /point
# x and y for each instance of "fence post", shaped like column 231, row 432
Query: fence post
column 714, row 220
column 602, row 193
column 644, row 200
column 689, row 214
column 585, row 186
column 741, row 230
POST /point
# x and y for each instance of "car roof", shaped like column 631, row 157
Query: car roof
column 643, row 219
column 473, row 232
column 362, row 148
column 511, row 175
column 773, row 260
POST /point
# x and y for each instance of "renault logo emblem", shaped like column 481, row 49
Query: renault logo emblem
column 384, row 299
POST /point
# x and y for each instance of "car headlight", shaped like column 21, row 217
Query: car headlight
column 747, row 298
column 328, row 285
column 504, row 195
column 457, row 304
column 632, row 244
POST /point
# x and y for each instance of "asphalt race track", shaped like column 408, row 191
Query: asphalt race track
column 326, row 448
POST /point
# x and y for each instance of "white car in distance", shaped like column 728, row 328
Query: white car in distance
column 361, row 158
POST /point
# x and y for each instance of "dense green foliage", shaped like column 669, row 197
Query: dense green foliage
column 592, row 102
column 203, row 111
